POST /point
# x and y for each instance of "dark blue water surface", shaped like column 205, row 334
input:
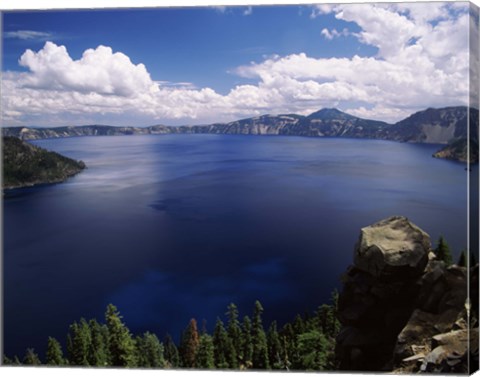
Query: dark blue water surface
column 173, row 227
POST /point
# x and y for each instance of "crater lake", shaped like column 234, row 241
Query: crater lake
column 173, row 227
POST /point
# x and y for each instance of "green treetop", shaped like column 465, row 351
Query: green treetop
column 205, row 355
column 443, row 251
column 274, row 347
column 54, row 354
column 149, row 351
column 121, row 343
column 31, row 357
column 259, row 339
column 78, row 343
column 247, row 343
column 235, row 335
column 222, row 345
column 98, row 354
column 172, row 358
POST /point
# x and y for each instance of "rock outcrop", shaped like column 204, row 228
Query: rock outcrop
column 402, row 309
column 392, row 247
column 460, row 150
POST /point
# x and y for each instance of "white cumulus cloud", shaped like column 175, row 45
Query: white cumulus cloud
column 422, row 60
column 99, row 70
column 334, row 33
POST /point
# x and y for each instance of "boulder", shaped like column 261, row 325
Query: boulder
column 455, row 339
column 392, row 248
column 415, row 336
column 450, row 352
column 401, row 308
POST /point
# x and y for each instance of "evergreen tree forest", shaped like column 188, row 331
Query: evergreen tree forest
column 307, row 344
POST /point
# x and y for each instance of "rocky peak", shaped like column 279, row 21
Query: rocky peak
column 330, row 113
column 401, row 309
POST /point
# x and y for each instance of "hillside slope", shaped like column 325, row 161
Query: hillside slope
column 26, row 165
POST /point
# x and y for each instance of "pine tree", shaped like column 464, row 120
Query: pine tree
column 121, row 344
column 149, row 351
column 285, row 356
column 220, row 345
column 327, row 321
column 336, row 323
column 462, row 260
column 54, row 354
column 291, row 356
column 313, row 350
column 205, row 355
column 154, row 351
column 235, row 335
column 259, row 339
column 189, row 345
column 171, row 356
column 324, row 319
column 78, row 343
column 443, row 251
column 31, row 358
column 298, row 324
column 247, row 343
column 274, row 347
column 8, row 361
column 98, row 354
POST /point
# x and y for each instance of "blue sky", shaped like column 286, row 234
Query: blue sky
column 193, row 65
column 197, row 45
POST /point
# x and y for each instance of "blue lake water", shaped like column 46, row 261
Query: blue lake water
column 178, row 226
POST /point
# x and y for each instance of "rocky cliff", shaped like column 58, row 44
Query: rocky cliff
column 403, row 310
column 26, row 165
column 439, row 126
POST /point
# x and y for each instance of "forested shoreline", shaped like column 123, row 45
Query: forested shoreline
column 306, row 343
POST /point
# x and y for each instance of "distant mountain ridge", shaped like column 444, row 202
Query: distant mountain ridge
column 437, row 126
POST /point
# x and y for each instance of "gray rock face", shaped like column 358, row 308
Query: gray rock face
column 443, row 126
column 401, row 309
column 450, row 352
column 432, row 125
column 414, row 337
column 436, row 337
column 391, row 247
